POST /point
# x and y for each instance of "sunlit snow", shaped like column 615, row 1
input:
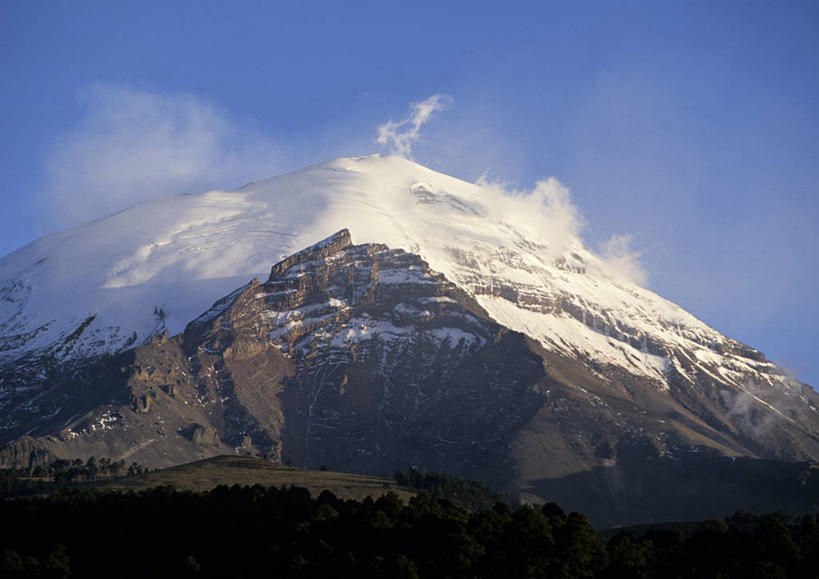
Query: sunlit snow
column 160, row 264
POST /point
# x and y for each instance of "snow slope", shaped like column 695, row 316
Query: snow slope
column 112, row 283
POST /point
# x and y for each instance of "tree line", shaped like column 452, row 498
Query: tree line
column 253, row 531
column 35, row 480
column 463, row 492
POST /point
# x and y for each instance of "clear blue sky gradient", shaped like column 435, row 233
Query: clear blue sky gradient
column 692, row 126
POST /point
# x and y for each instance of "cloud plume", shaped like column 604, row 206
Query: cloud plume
column 545, row 212
column 755, row 409
column 400, row 136
column 133, row 145
column 623, row 259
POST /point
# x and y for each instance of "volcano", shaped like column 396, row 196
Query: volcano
column 371, row 315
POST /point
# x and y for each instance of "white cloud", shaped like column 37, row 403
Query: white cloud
column 545, row 212
column 400, row 136
column 548, row 214
column 623, row 260
column 132, row 145
column 756, row 408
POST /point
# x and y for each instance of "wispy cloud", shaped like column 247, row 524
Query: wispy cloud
column 132, row 145
column 756, row 408
column 546, row 209
column 623, row 259
column 545, row 212
column 400, row 136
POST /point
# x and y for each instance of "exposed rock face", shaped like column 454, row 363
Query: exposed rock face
column 354, row 357
column 361, row 358
column 394, row 366
column 157, row 405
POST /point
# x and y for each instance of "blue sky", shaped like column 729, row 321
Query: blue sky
column 693, row 127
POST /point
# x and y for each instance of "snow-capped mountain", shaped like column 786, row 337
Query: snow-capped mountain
column 446, row 324
column 158, row 265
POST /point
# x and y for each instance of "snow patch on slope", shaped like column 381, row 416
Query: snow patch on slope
column 519, row 254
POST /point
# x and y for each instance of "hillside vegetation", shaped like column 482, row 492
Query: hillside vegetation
column 244, row 531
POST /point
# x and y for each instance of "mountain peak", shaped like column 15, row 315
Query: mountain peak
column 326, row 247
column 363, row 358
column 108, row 285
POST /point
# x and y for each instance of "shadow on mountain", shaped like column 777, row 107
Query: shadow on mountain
column 666, row 489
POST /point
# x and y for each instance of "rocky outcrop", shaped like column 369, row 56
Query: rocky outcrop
column 361, row 358
column 393, row 365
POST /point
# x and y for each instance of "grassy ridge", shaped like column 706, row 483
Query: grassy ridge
column 205, row 475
